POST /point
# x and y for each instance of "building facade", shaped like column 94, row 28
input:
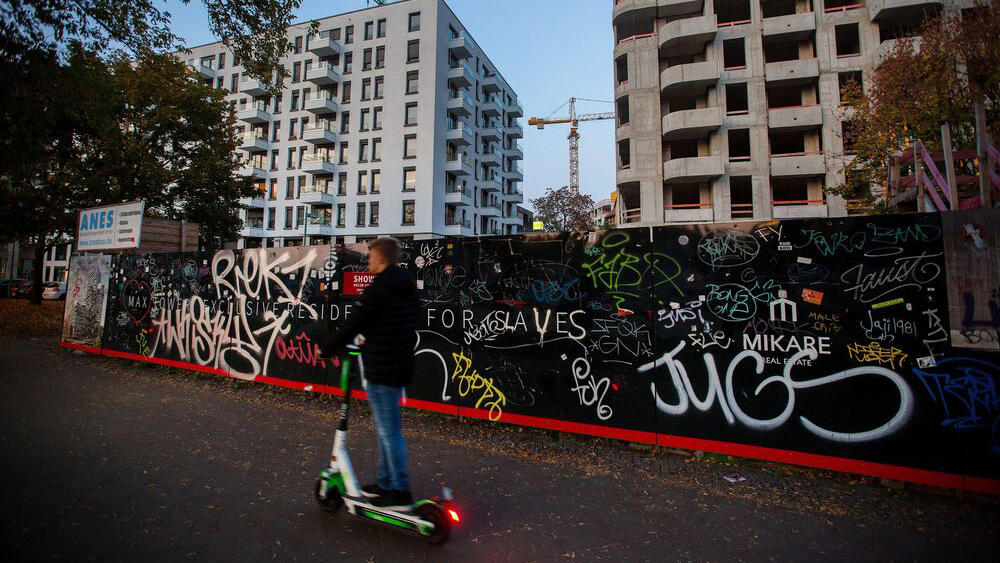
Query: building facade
column 729, row 110
column 602, row 213
column 393, row 122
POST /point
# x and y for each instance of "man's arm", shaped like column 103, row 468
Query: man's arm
column 369, row 307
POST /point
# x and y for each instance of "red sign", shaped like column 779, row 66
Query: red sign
column 356, row 282
column 812, row 296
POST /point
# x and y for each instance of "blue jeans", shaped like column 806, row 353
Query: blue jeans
column 392, row 456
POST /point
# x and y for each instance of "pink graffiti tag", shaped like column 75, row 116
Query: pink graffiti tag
column 300, row 350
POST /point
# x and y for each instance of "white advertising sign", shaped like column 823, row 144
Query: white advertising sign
column 110, row 227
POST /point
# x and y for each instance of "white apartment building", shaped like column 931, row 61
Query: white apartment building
column 728, row 110
column 393, row 122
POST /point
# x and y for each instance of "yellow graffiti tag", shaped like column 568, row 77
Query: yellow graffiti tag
column 874, row 352
column 472, row 382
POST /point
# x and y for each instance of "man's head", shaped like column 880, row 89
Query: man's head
column 383, row 253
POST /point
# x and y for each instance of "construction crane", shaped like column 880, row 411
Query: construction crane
column 574, row 136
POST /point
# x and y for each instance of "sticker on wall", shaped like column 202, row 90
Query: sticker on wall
column 812, row 296
column 784, row 245
column 889, row 303
column 926, row 362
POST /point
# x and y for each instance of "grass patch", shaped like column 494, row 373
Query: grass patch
column 18, row 318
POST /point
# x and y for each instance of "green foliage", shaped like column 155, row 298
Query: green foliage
column 563, row 209
column 917, row 88
column 254, row 29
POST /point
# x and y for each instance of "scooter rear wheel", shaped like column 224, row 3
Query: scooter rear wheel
column 333, row 500
column 442, row 526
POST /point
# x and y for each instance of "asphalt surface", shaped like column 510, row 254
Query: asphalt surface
column 105, row 459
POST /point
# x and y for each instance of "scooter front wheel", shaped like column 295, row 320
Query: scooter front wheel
column 442, row 526
column 333, row 500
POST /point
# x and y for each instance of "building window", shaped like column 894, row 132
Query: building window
column 288, row 217
column 622, row 111
column 342, row 184
column 270, row 218
column 376, row 150
column 345, row 121
column 222, row 61
column 410, row 146
column 739, row 144
column 295, row 101
column 341, row 215
column 624, row 154
column 369, row 30
column 292, row 126
column 366, row 60
column 366, row 89
column 272, row 192
column 408, row 211
column 621, row 69
column 736, row 99
column 413, row 51
column 346, row 93
column 411, row 82
column 348, row 62
column 361, row 215
column 363, row 182
column 298, row 45
column 234, row 82
column 848, row 40
column 363, row 125
column 349, row 35
column 363, row 151
column 414, row 24
column 345, row 153
column 376, row 181
column 379, row 87
column 373, row 214
column 377, row 118
column 848, row 136
column 409, row 179
column 734, row 54
column 410, row 114
column 846, row 78
column 380, row 31
column 300, row 215
column 379, row 56
column 274, row 159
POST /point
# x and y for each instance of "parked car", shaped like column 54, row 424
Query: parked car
column 54, row 290
column 22, row 289
column 6, row 286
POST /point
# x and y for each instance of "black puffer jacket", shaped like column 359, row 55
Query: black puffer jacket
column 387, row 317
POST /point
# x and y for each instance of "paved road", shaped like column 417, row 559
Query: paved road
column 107, row 460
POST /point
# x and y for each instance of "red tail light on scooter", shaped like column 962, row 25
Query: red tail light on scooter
column 454, row 515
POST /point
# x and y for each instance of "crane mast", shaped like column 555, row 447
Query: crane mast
column 574, row 134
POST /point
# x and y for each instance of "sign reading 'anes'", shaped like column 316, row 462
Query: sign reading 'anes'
column 110, row 227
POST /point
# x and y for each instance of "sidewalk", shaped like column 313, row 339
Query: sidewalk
column 108, row 460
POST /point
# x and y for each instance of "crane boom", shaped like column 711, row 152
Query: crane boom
column 574, row 136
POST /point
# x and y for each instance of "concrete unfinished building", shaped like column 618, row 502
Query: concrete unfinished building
column 727, row 110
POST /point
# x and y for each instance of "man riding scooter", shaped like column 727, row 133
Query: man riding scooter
column 387, row 318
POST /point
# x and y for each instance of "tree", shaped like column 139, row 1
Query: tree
column 563, row 209
column 254, row 29
column 916, row 89
column 96, row 132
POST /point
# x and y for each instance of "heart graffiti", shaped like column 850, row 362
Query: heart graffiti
column 137, row 299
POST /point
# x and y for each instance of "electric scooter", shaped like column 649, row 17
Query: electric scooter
column 337, row 485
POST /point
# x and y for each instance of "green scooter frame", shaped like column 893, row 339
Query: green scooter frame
column 338, row 486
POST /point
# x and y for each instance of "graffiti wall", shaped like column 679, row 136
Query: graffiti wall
column 844, row 344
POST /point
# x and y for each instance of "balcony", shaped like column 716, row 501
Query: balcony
column 886, row 47
column 253, row 142
column 792, row 27
column 461, row 105
column 254, row 170
column 515, row 152
column 253, row 202
column 461, row 134
column 458, row 227
column 318, row 163
column 491, row 84
column 318, row 227
column 319, row 133
column 515, row 173
column 490, row 184
column 515, row 109
column 798, row 164
column 491, row 158
column 794, row 118
column 458, row 47
column 459, row 164
column 490, row 210
column 627, row 9
column 322, row 74
column 323, row 45
column 492, row 106
column 515, row 132
column 461, row 76
column 687, row 36
column 254, row 113
column 798, row 209
column 204, row 71
column 515, row 195
column 798, row 71
column 890, row 9
column 689, row 213
column 491, row 134
column 692, row 169
column 252, row 86
column 317, row 194
column 691, row 123
column 320, row 103
column 253, row 228
column 458, row 196
column 689, row 78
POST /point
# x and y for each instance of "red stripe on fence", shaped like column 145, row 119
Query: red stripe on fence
column 921, row 476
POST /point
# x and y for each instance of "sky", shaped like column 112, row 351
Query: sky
column 548, row 50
